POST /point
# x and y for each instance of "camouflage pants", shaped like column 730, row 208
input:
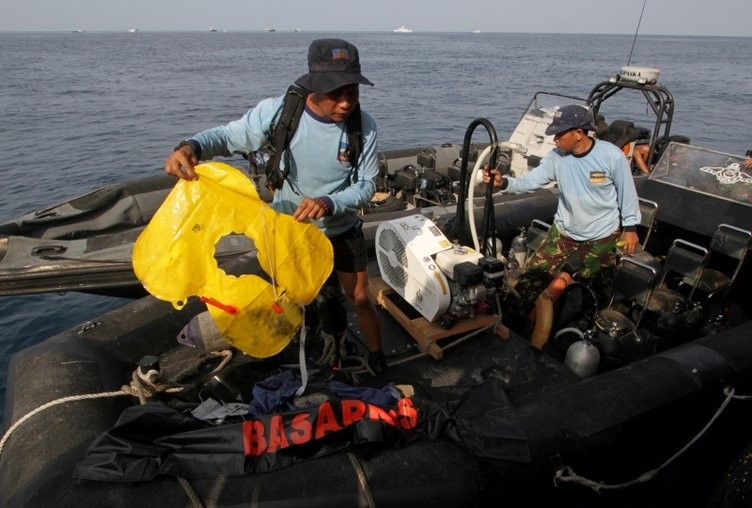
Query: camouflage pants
column 595, row 262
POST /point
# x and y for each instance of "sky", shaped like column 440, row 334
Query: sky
column 662, row 17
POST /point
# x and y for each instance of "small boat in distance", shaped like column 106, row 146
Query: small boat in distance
column 133, row 30
column 268, row 29
column 212, row 29
column 403, row 30
column 78, row 31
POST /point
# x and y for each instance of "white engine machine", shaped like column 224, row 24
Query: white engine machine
column 433, row 275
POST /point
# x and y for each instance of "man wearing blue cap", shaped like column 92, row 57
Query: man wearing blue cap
column 321, row 183
column 597, row 200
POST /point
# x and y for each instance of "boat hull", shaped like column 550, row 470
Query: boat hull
column 565, row 421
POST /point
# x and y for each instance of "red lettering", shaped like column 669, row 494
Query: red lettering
column 257, row 439
column 326, row 421
column 376, row 413
column 352, row 411
column 407, row 415
column 277, row 438
column 303, row 428
column 254, row 442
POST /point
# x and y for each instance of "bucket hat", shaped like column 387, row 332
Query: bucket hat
column 332, row 63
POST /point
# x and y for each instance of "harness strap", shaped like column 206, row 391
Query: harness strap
column 283, row 130
column 282, row 133
column 354, row 128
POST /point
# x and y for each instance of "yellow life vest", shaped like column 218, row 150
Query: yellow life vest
column 174, row 259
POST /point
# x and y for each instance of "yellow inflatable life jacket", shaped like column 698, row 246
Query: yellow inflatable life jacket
column 174, row 259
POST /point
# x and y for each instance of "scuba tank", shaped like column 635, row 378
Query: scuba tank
column 518, row 251
column 582, row 357
column 713, row 326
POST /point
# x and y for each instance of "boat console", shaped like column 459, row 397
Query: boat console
column 689, row 178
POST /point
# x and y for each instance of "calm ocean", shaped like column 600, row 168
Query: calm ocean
column 82, row 110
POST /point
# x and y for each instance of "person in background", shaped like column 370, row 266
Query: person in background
column 748, row 160
column 641, row 152
column 597, row 206
column 320, row 185
column 640, row 157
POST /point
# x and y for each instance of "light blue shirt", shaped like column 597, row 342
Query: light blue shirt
column 319, row 166
column 597, row 192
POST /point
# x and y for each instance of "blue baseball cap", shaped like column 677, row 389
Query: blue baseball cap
column 571, row 117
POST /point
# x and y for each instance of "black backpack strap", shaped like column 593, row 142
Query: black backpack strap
column 354, row 128
column 281, row 135
column 283, row 130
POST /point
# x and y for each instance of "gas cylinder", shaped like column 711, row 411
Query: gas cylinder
column 582, row 357
column 518, row 249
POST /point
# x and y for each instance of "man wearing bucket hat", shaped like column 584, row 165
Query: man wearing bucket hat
column 321, row 183
column 597, row 197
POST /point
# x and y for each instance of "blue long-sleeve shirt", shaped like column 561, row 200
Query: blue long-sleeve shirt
column 597, row 192
column 318, row 162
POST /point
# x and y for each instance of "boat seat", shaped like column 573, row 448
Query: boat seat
column 727, row 251
column 648, row 214
column 633, row 287
column 536, row 233
column 682, row 267
column 600, row 125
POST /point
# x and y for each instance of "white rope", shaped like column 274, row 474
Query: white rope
column 471, row 195
column 143, row 385
column 227, row 355
column 53, row 403
column 567, row 475
column 328, row 352
column 471, row 187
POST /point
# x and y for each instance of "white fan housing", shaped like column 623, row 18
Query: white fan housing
column 406, row 250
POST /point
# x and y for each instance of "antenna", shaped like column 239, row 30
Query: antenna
column 637, row 30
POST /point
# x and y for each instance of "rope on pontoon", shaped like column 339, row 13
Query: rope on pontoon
column 53, row 403
column 142, row 386
column 191, row 492
column 567, row 475
column 365, row 498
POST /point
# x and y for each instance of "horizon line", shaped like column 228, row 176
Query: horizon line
column 303, row 31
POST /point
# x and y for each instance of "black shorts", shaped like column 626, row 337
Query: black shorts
column 350, row 254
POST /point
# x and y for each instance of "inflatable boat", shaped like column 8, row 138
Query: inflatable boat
column 633, row 399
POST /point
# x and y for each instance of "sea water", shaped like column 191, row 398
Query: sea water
column 83, row 110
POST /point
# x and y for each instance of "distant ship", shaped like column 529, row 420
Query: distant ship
column 268, row 30
column 212, row 29
column 78, row 31
column 133, row 30
column 403, row 30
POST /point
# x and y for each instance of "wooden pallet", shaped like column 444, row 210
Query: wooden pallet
column 424, row 332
